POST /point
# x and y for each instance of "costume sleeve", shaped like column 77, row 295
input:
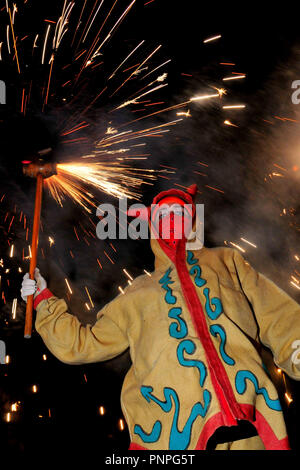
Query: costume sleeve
column 277, row 315
column 73, row 343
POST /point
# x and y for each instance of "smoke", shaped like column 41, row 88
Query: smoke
column 261, row 199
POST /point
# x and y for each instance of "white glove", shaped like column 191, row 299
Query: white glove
column 30, row 287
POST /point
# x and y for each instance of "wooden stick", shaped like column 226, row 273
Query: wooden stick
column 34, row 249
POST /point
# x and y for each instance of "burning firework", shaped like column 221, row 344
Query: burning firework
column 107, row 177
column 68, row 50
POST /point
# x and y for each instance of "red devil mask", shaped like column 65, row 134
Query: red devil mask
column 171, row 215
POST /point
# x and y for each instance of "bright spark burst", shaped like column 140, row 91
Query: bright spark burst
column 112, row 178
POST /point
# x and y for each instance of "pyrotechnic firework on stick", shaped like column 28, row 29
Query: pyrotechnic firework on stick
column 78, row 179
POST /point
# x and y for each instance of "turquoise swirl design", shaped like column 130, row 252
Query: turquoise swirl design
column 165, row 281
column 219, row 330
column 190, row 258
column 240, row 385
column 216, row 302
column 198, row 279
column 189, row 347
column 179, row 440
column 177, row 330
column 153, row 436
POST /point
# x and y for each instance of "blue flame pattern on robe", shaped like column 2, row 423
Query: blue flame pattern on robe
column 240, row 385
column 219, row 330
column 189, row 347
column 165, row 281
column 177, row 330
column 178, row 440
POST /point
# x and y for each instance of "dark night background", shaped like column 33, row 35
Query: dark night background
column 264, row 42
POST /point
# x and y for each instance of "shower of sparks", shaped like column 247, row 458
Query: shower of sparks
column 111, row 171
column 60, row 31
column 111, row 177
column 96, row 52
column 134, row 101
column 125, row 60
column 61, row 26
column 137, row 69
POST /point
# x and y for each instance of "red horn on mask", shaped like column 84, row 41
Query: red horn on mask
column 192, row 190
